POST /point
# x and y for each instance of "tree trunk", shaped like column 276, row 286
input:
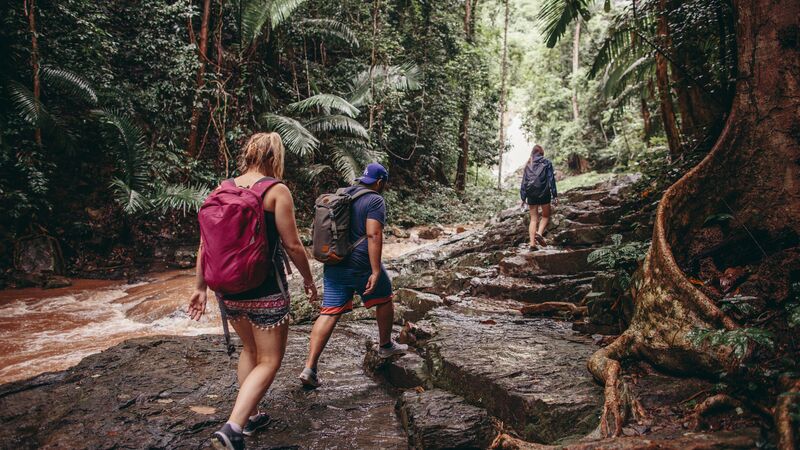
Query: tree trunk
column 576, row 53
column 191, row 148
column 466, row 104
column 759, row 144
column 503, row 100
column 662, row 79
column 373, row 60
column 31, row 10
column 648, row 130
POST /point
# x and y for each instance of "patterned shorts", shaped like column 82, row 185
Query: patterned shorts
column 265, row 312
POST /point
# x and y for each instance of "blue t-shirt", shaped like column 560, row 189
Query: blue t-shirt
column 368, row 206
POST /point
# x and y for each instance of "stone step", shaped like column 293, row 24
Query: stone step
column 416, row 303
column 550, row 261
column 437, row 419
column 566, row 289
column 598, row 215
column 403, row 372
column 529, row 373
column 583, row 194
column 582, row 235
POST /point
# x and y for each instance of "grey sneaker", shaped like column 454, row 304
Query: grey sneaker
column 227, row 439
column 309, row 378
column 253, row 425
column 394, row 349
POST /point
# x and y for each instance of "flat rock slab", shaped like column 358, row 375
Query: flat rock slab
column 437, row 419
column 558, row 289
column 554, row 262
column 404, row 372
column 173, row 392
column 530, row 373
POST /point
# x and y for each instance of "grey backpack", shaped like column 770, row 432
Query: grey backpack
column 330, row 234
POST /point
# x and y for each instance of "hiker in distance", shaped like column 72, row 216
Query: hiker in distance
column 352, row 263
column 246, row 224
column 537, row 190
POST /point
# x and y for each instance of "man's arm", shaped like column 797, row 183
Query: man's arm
column 375, row 249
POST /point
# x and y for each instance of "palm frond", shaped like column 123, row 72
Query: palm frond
column 129, row 199
column 30, row 109
column 295, row 136
column 556, row 15
column 257, row 14
column 69, row 83
column 310, row 173
column 131, row 146
column 180, row 197
column 405, row 77
column 621, row 77
column 347, row 166
column 326, row 102
column 329, row 27
column 337, row 123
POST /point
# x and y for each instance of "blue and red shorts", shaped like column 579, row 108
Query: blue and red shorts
column 341, row 282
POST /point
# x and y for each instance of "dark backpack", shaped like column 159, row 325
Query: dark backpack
column 331, row 228
column 538, row 183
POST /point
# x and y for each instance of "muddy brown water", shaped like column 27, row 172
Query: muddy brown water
column 52, row 330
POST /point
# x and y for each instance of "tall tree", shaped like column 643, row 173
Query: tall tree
column 662, row 80
column 30, row 9
column 202, row 55
column 503, row 99
column 470, row 7
column 576, row 53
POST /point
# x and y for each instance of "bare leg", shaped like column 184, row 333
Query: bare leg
column 385, row 315
column 545, row 219
column 247, row 359
column 534, row 210
column 270, row 347
column 320, row 334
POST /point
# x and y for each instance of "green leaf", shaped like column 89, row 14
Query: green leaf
column 180, row 197
column 69, row 83
column 337, row 124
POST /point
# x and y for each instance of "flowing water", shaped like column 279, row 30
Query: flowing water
column 520, row 147
column 51, row 330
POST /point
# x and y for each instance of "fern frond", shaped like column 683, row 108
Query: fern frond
column 296, row 137
column 405, row 77
column 132, row 146
column 326, row 102
column 30, row 109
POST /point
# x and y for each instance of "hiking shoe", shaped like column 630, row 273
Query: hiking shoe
column 394, row 349
column 309, row 378
column 540, row 240
column 261, row 420
column 227, row 439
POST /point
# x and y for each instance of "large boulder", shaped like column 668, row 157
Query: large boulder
column 37, row 255
column 435, row 419
column 530, row 373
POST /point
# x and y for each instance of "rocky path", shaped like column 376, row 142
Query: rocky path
column 485, row 361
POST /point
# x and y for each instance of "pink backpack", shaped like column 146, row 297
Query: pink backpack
column 236, row 251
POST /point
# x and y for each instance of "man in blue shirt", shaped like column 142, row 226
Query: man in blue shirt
column 362, row 272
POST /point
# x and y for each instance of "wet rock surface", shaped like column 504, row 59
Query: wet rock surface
column 437, row 419
column 173, row 392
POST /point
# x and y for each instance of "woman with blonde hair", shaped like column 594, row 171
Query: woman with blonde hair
column 538, row 189
column 259, row 315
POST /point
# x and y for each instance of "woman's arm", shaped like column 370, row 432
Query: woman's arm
column 287, row 229
column 197, row 303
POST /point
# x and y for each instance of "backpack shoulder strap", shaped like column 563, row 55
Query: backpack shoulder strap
column 261, row 186
column 227, row 183
column 362, row 192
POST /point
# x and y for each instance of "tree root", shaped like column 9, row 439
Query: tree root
column 787, row 430
column 547, row 308
column 619, row 400
column 710, row 405
column 505, row 441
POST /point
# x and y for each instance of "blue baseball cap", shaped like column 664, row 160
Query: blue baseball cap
column 373, row 173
